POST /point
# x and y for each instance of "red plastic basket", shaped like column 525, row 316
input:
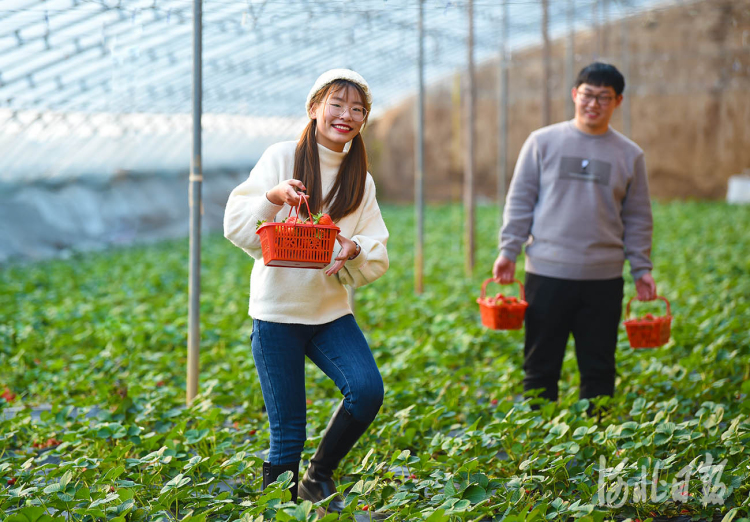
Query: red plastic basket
column 295, row 245
column 648, row 331
column 502, row 315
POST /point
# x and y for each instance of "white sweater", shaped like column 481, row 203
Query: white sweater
column 294, row 295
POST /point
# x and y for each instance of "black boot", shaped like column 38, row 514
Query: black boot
column 271, row 473
column 342, row 433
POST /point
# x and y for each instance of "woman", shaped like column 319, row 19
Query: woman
column 298, row 313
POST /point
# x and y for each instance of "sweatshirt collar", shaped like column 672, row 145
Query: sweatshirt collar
column 330, row 159
column 572, row 124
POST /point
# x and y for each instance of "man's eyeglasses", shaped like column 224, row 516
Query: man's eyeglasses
column 337, row 110
column 602, row 99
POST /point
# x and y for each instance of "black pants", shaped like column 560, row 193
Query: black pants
column 591, row 311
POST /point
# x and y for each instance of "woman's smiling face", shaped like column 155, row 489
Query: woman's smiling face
column 333, row 132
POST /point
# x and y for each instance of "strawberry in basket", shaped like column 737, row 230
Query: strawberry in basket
column 648, row 331
column 502, row 312
column 297, row 242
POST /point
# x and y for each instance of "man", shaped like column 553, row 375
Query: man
column 579, row 199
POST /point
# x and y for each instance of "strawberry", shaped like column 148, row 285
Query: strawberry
column 259, row 223
column 8, row 395
column 322, row 219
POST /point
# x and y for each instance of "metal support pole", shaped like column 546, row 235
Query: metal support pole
column 419, row 158
column 546, row 66
column 195, row 184
column 502, row 146
column 604, row 30
column 597, row 32
column 625, row 106
column 570, row 62
column 469, row 152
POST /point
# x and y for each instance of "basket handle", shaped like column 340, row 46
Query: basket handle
column 521, row 293
column 299, row 205
column 627, row 308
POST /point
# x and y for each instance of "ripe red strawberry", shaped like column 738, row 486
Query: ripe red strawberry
column 8, row 395
column 322, row 219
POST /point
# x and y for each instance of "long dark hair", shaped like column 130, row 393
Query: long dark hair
column 349, row 188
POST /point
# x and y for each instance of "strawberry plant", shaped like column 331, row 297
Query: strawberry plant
column 93, row 424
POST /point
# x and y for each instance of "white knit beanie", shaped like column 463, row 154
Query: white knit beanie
column 337, row 74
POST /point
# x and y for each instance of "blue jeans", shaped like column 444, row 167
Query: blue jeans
column 339, row 349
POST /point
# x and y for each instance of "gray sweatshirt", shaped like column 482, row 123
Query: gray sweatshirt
column 582, row 203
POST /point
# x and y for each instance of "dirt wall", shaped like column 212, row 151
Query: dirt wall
column 687, row 71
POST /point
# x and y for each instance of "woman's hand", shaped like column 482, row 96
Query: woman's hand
column 348, row 249
column 288, row 191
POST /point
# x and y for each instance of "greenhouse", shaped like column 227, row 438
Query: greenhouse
column 449, row 151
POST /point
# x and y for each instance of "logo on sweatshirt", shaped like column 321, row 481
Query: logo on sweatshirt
column 585, row 169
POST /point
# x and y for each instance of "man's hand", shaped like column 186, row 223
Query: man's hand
column 504, row 270
column 348, row 249
column 646, row 287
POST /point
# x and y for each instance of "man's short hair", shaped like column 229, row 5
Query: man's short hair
column 602, row 75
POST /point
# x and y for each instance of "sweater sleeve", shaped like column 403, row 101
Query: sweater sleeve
column 522, row 198
column 372, row 236
column 247, row 204
column 638, row 222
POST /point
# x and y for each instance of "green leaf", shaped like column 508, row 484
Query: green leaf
column 177, row 482
column 114, row 473
column 111, row 497
column 195, row 436
column 29, row 514
column 474, row 494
